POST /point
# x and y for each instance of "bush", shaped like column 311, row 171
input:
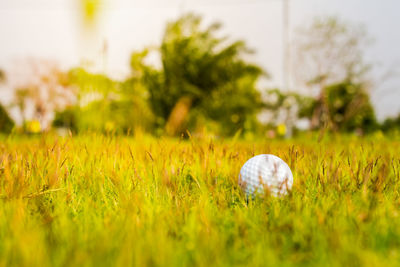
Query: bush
column 106, row 105
column 6, row 123
column 391, row 124
column 66, row 119
column 349, row 107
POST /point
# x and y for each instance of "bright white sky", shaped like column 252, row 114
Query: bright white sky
column 51, row 29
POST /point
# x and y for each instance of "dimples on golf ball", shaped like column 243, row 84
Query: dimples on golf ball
column 265, row 171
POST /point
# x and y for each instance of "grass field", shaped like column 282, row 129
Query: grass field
column 95, row 200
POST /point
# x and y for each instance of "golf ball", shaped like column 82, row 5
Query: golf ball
column 265, row 173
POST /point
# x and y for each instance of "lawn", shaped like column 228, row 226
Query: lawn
column 95, row 200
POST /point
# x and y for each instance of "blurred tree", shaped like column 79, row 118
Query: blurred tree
column 46, row 90
column 329, row 51
column 293, row 105
column 67, row 119
column 349, row 108
column 202, row 78
column 105, row 105
column 391, row 124
column 6, row 123
column 286, row 108
column 92, row 86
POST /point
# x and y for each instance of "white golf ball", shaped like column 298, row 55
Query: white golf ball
column 265, row 173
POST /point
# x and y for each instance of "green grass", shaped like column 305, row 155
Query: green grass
column 115, row 201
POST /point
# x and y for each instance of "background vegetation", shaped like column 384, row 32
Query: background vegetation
column 204, row 84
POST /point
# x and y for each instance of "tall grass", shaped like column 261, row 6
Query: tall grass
column 95, row 200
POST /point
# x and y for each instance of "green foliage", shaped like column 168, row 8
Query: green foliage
column 233, row 107
column 349, row 107
column 113, row 116
column 6, row 123
column 106, row 105
column 344, row 106
column 276, row 101
column 330, row 51
column 206, row 70
column 67, row 119
column 391, row 124
column 91, row 85
column 97, row 200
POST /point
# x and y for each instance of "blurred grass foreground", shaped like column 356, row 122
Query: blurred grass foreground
column 114, row 201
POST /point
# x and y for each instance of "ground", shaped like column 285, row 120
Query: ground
column 96, row 200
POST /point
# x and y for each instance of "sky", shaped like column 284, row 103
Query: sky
column 52, row 29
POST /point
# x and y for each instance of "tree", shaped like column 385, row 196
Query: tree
column 330, row 51
column 391, row 124
column 6, row 123
column 105, row 105
column 202, row 78
column 287, row 107
column 46, row 89
column 349, row 108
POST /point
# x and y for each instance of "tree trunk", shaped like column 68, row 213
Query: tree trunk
column 178, row 116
